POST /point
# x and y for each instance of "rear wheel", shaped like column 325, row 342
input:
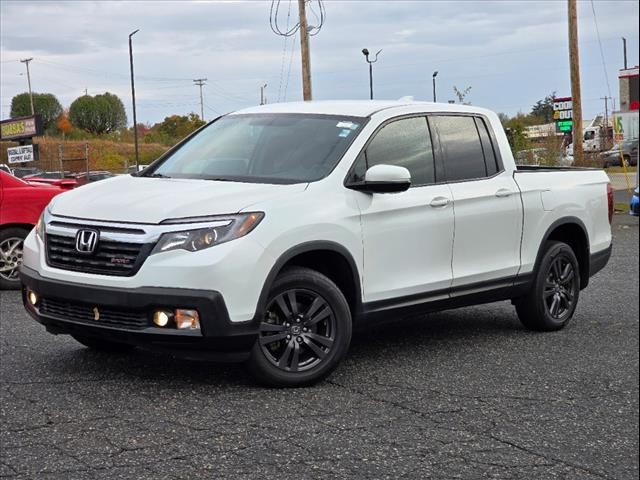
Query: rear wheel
column 552, row 301
column 11, row 244
column 305, row 330
column 102, row 345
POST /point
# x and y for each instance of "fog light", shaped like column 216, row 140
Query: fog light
column 161, row 317
column 32, row 297
column 187, row 319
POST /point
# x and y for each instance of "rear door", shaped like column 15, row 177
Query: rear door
column 486, row 203
column 407, row 236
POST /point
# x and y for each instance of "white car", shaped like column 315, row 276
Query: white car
column 271, row 233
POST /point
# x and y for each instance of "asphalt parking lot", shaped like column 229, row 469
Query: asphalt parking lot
column 461, row 394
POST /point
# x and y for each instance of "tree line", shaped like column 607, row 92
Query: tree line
column 100, row 115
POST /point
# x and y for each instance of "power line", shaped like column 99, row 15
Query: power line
column 595, row 20
column 284, row 53
column 286, row 85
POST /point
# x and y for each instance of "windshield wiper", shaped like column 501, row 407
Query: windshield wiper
column 219, row 179
column 157, row 175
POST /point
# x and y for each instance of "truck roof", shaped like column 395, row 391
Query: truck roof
column 357, row 108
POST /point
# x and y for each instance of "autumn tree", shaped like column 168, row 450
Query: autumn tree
column 63, row 124
column 44, row 104
column 174, row 128
column 98, row 114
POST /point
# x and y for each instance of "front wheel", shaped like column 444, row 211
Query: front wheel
column 11, row 244
column 305, row 330
column 551, row 302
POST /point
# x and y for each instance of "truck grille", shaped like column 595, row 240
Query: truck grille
column 110, row 257
column 87, row 314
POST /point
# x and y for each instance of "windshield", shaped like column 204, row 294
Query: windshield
column 263, row 148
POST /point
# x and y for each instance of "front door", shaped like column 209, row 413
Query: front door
column 408, row 236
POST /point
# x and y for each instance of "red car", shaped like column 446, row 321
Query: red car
column 21, row 204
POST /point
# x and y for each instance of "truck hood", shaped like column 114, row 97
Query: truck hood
column 152, row 200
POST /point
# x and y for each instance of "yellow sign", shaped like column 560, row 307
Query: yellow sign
column 18, row 128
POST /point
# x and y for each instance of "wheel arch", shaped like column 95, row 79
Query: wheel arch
column 572, row 231
column 26, row 226
column 330, row 259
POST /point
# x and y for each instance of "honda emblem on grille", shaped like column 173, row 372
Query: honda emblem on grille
column 96, row 314
column 86, row 241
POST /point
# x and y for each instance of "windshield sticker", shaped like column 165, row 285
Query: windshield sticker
column 349, row 125
column 344, row 133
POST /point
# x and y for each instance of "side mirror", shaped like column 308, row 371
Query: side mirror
column 384, row 179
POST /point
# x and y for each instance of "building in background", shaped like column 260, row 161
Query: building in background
column 626, row 120
column 629, row 89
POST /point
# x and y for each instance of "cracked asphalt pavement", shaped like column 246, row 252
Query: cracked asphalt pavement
column 461, row 394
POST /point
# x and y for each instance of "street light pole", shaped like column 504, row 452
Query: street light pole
column 263, row 97
column 133, row 100
column 26, row 62
column 435, row 74
column 365, row 52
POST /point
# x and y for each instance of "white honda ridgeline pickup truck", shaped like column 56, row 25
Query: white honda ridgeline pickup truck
column 272, row 232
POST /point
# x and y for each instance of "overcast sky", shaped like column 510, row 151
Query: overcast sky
column 510, row 53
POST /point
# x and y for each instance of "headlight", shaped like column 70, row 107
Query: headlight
column 194, row 240
column 40, row 227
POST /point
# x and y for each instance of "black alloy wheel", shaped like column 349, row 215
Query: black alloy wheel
column 560, row 288
column 553, row 297
column 299, row 330
column 305, row 330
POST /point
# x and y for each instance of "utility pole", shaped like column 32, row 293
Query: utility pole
column 624, row 50
column 606, row 120
column 304, row 51
column 133, row 100
column 201, row 82
column 576, row 97
column 26, row 62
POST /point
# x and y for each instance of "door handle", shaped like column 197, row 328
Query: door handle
column 503, row 192
column 439, row 202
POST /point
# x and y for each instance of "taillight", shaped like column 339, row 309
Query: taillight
column 610, row 199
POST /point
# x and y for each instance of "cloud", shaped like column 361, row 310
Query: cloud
column 512, row 53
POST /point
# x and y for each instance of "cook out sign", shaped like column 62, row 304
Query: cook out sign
column 562, row 108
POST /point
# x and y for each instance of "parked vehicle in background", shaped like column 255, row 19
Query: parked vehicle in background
column 274, row 231
column 5, row 168
column 24, row 171
column 94, row 176
column 48, row 175
column 634, row 207
column 626, row 150
column 21, row 204
column 134, row 169
column 66, row 183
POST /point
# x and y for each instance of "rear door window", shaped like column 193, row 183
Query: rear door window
column 460, row 146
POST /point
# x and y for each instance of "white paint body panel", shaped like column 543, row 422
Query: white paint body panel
column 399, row 243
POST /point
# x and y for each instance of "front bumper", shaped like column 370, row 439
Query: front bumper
column 217, row 339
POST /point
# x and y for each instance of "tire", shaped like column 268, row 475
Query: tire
column 552, row 300
column 11, row 243
column 102, row 345
column 305, row 330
